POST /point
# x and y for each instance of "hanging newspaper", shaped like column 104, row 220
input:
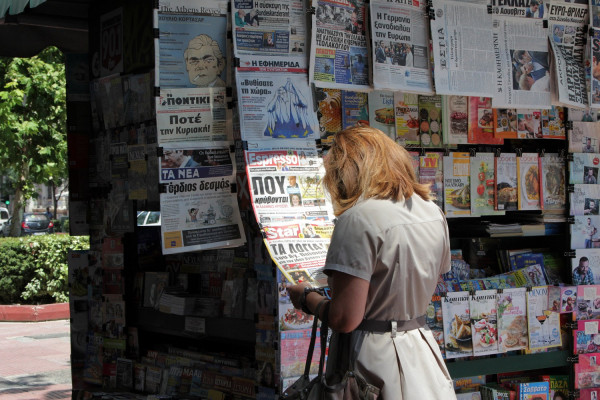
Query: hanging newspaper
column 339, row 58
column 269, row 27
column 191, row 50
column 462, row 48
column 567, row 30
column 199, row 114
column 522, row 72
column 594, row 11
column 285, row 181
column 519, row 8
column 399, row 49
column 198, row 209
column 274, row 99
column 595, row 61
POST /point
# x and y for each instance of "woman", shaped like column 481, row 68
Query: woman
column 388, row 248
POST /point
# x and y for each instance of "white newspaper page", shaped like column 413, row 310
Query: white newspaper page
column 462, row 49
column 595, row 61
column 185, row 115
column 275, row 27
column 191, row 50
column 339, row 57
column 274, row 99
column 594, row 12
column 400, row 39
column 285, row 181
column 567, row 34
column 198, row 209
column 522, row 64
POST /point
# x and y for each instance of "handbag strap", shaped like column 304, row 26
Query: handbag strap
column 313, row 338
column 324, row 334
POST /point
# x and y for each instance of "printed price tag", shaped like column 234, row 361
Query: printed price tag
column 589, row 293
column 195, row 324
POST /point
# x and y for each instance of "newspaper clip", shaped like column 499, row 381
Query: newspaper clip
column 472, row 292
column 519, row 151
column 446, row 151
column 313, row 90
column 155, row 4
column 573, row 359
column 570, row 188
column 236, row 62
column 570, row 254
column 244, row 145
column 591, row 31
column 498, row 152
column 229, row 33
column 562, row 153
column 528, row 288
column 542, row 152
column 232, row 148
column 162, row 188
column 311, row 10
column 472, row 152
column 156, row 91
column 233, row 187
column 155, row 33
column 500, row 290
column 229, row 90
column 230, row 105
column 574, row 394
column 489, row 9
column 571, row 219
column 431, row 13
column 570, row 157
column 228, row 7
column 159, row 151
column 569, row 125
column 443, row 294
column 545, row 23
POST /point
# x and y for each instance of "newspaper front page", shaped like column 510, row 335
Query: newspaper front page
column 522, row 75
column 198, row 209
column 400, row 39
column 191, row 50
column 462, row 49
column 519, row 8
column 185, row 115
column 567, row 34
column 266, row 27
column 339, row 57
column 595, row 66
column 274, row 99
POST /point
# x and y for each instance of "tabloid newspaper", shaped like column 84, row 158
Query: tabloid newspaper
column 198, row 209
column 274, row 99
column 567, row 30
column 584, row 137
column 518, row 8
column 191, row 50
column 462, row 48
column 339, row 57
column 521, row 76
column 192, row 114
column 269, row 27
column 595, row 74
column 400, row 38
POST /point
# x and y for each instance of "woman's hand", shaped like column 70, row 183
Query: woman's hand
column 296, row 292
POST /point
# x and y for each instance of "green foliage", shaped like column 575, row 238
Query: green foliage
column 34, row 269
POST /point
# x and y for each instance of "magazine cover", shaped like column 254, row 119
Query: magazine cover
column 416, row 160
column 456, row 119
column 533, row 390
column 457, row 192
column 507, row 189
column 584, row 137
column 584, row 168
column 585, row 267
column 457, row 325
column 589, row 394
column 559, row 385
column 481, row 121
column 528, row 181
column 381, row 112
column 584, row 232
column 586, row 338
column 529, row 124
column 505, row 123
column 406, row 108
column 484, row 322
column 355, row 108
column 431, row 172
column 294, row 349
column 543, row 324
column 430, row 120
column 553, row 195
column 483, row 182
column 329, row 113
column 587, row 371
column 588, row 302
column 512, row 319
column 568, row 298
column 553, row 123
column 435, row 321
column 584, row 199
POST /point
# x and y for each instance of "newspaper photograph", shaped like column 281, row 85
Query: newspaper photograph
column 594, row 11
column 522, row 76
column 274, row 99
column 518, row 8
column 567, row 33
column 400, row 39
column 299, row 249
column 462, row 48
column 266, row 27
column 339, row 57
column 595, row 59
column 198, row 209
column 198, row 114
column 191, row 50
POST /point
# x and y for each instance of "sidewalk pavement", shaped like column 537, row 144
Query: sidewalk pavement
column 35, row 360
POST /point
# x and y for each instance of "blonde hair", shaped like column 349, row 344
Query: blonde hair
column 364, row 163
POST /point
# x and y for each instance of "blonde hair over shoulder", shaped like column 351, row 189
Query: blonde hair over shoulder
column 365, row 163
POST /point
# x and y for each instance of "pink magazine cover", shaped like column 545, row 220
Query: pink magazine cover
column 586, row 338
column 588, row 302
column 589, row 394
column 568, row 298
column 587, row 371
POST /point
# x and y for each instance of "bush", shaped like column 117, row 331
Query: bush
column 33, row 269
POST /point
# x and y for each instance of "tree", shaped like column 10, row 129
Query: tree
column 33, row 129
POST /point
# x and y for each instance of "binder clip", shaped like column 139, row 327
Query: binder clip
column 159, row 152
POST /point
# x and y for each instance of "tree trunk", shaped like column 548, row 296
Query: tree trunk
column 54, row 200
column 19, row 201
